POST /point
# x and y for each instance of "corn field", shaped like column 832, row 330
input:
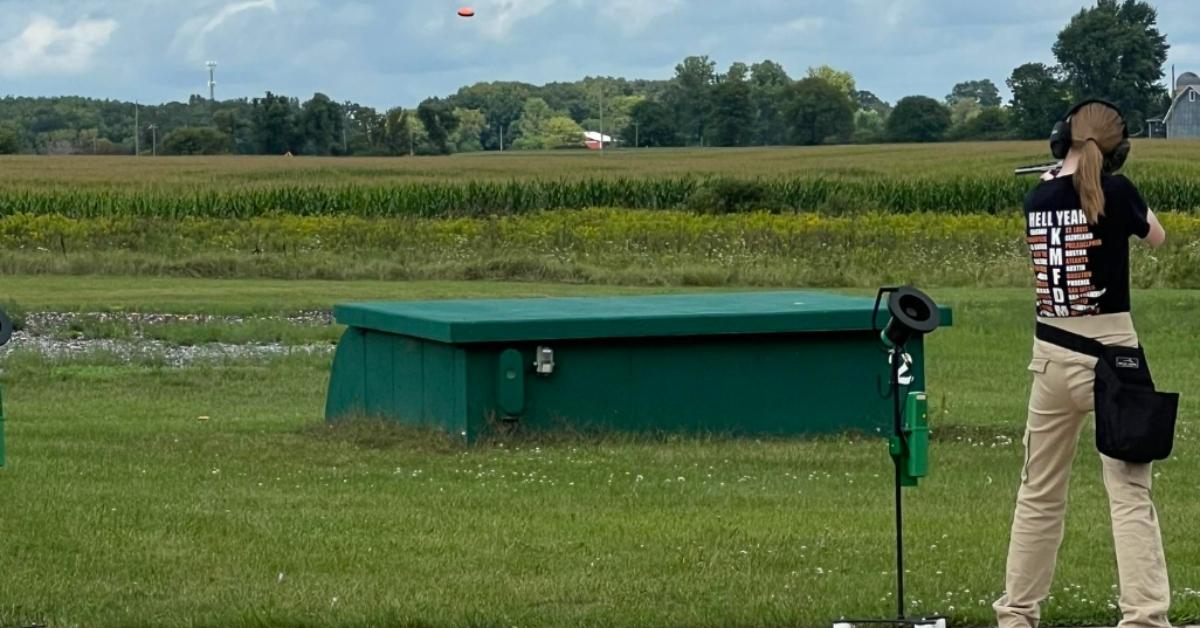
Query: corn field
column 515, row 197
column 956, row 178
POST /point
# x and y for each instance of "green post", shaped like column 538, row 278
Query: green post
column 911, row 453
column 916, row 428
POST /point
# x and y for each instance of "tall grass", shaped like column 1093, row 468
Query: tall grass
column 640, row 247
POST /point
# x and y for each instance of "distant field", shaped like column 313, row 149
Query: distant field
column 966, row 177
column 953, row 159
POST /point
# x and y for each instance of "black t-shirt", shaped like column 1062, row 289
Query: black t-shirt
column 1082, row 269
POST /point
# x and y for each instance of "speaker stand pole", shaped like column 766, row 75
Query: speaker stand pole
column 897, row 356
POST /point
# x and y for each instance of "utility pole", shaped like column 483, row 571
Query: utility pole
column 154, row 140
column 346, row 117
column 137, row 132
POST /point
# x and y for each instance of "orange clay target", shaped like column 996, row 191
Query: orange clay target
column 466, row 12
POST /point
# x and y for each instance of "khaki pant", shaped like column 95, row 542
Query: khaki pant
column 1059, row 403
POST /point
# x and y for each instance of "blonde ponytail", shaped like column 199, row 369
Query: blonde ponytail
column 1087, row 180
column 1096, row 131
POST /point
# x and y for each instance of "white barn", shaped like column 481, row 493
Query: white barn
column 1182, row 120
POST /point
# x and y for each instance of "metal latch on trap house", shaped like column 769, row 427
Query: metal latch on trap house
column 544, row 363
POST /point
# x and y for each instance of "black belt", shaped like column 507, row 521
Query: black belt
column 1070, row 341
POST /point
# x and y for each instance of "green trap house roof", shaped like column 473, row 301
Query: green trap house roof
column 511, row 320
column 735, row 363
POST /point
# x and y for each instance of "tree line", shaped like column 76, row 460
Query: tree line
column 1113, row 50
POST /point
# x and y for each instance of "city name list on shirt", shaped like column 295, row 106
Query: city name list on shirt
column 1059, row 241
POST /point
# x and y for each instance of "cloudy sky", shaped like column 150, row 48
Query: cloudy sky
column 397, row 52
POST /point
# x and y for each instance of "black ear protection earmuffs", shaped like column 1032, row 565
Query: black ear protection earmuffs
column 1060, row 137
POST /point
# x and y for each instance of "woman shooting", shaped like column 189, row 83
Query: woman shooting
column 1079, row 222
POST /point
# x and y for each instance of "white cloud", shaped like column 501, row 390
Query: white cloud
column 354, row 14
column 804, row 28
column 191, row 36
column 46, row 47
column 634, row 16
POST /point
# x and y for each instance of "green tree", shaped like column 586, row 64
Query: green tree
column 963, row 110
column 321, row 123
column 733, row 108
column 868, row 100
column 366, row 129
column 10, row 143
column 982, row 92
column 616, row 115
column 690, row 96
column 577, row 100
column 273, row 125
column 532, row 124
column 840, row 79
column 561, row 132
column 229, row 122
column 918, row 119
column 819, row 111
column 868, row 126
column 437, row 116
column 502, row 103
column 196, row 141
column 471, row 124
column 769, row 84
column 1115, row 51
column 404, row 134
column 1039, row 99
column 653, row 124
column 993, row 123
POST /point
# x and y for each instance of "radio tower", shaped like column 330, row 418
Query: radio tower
column 212, row 80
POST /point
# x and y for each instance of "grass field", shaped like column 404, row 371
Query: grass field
column 122, row 509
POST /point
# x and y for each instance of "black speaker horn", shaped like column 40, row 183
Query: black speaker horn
column 913, row 314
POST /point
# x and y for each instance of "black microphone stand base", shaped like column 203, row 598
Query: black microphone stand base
column 936, row 621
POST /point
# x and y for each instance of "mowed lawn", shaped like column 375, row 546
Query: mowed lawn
column 122, row 508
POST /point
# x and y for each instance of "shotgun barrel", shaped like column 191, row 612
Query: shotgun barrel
column 1038, row 168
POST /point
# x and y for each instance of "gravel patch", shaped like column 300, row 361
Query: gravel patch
column 45, row 322
column 142, row 350
column 39, row 336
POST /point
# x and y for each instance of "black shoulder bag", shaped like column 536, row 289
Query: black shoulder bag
column 1134, row 422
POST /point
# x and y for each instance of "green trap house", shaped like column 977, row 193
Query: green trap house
column 780, row 363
